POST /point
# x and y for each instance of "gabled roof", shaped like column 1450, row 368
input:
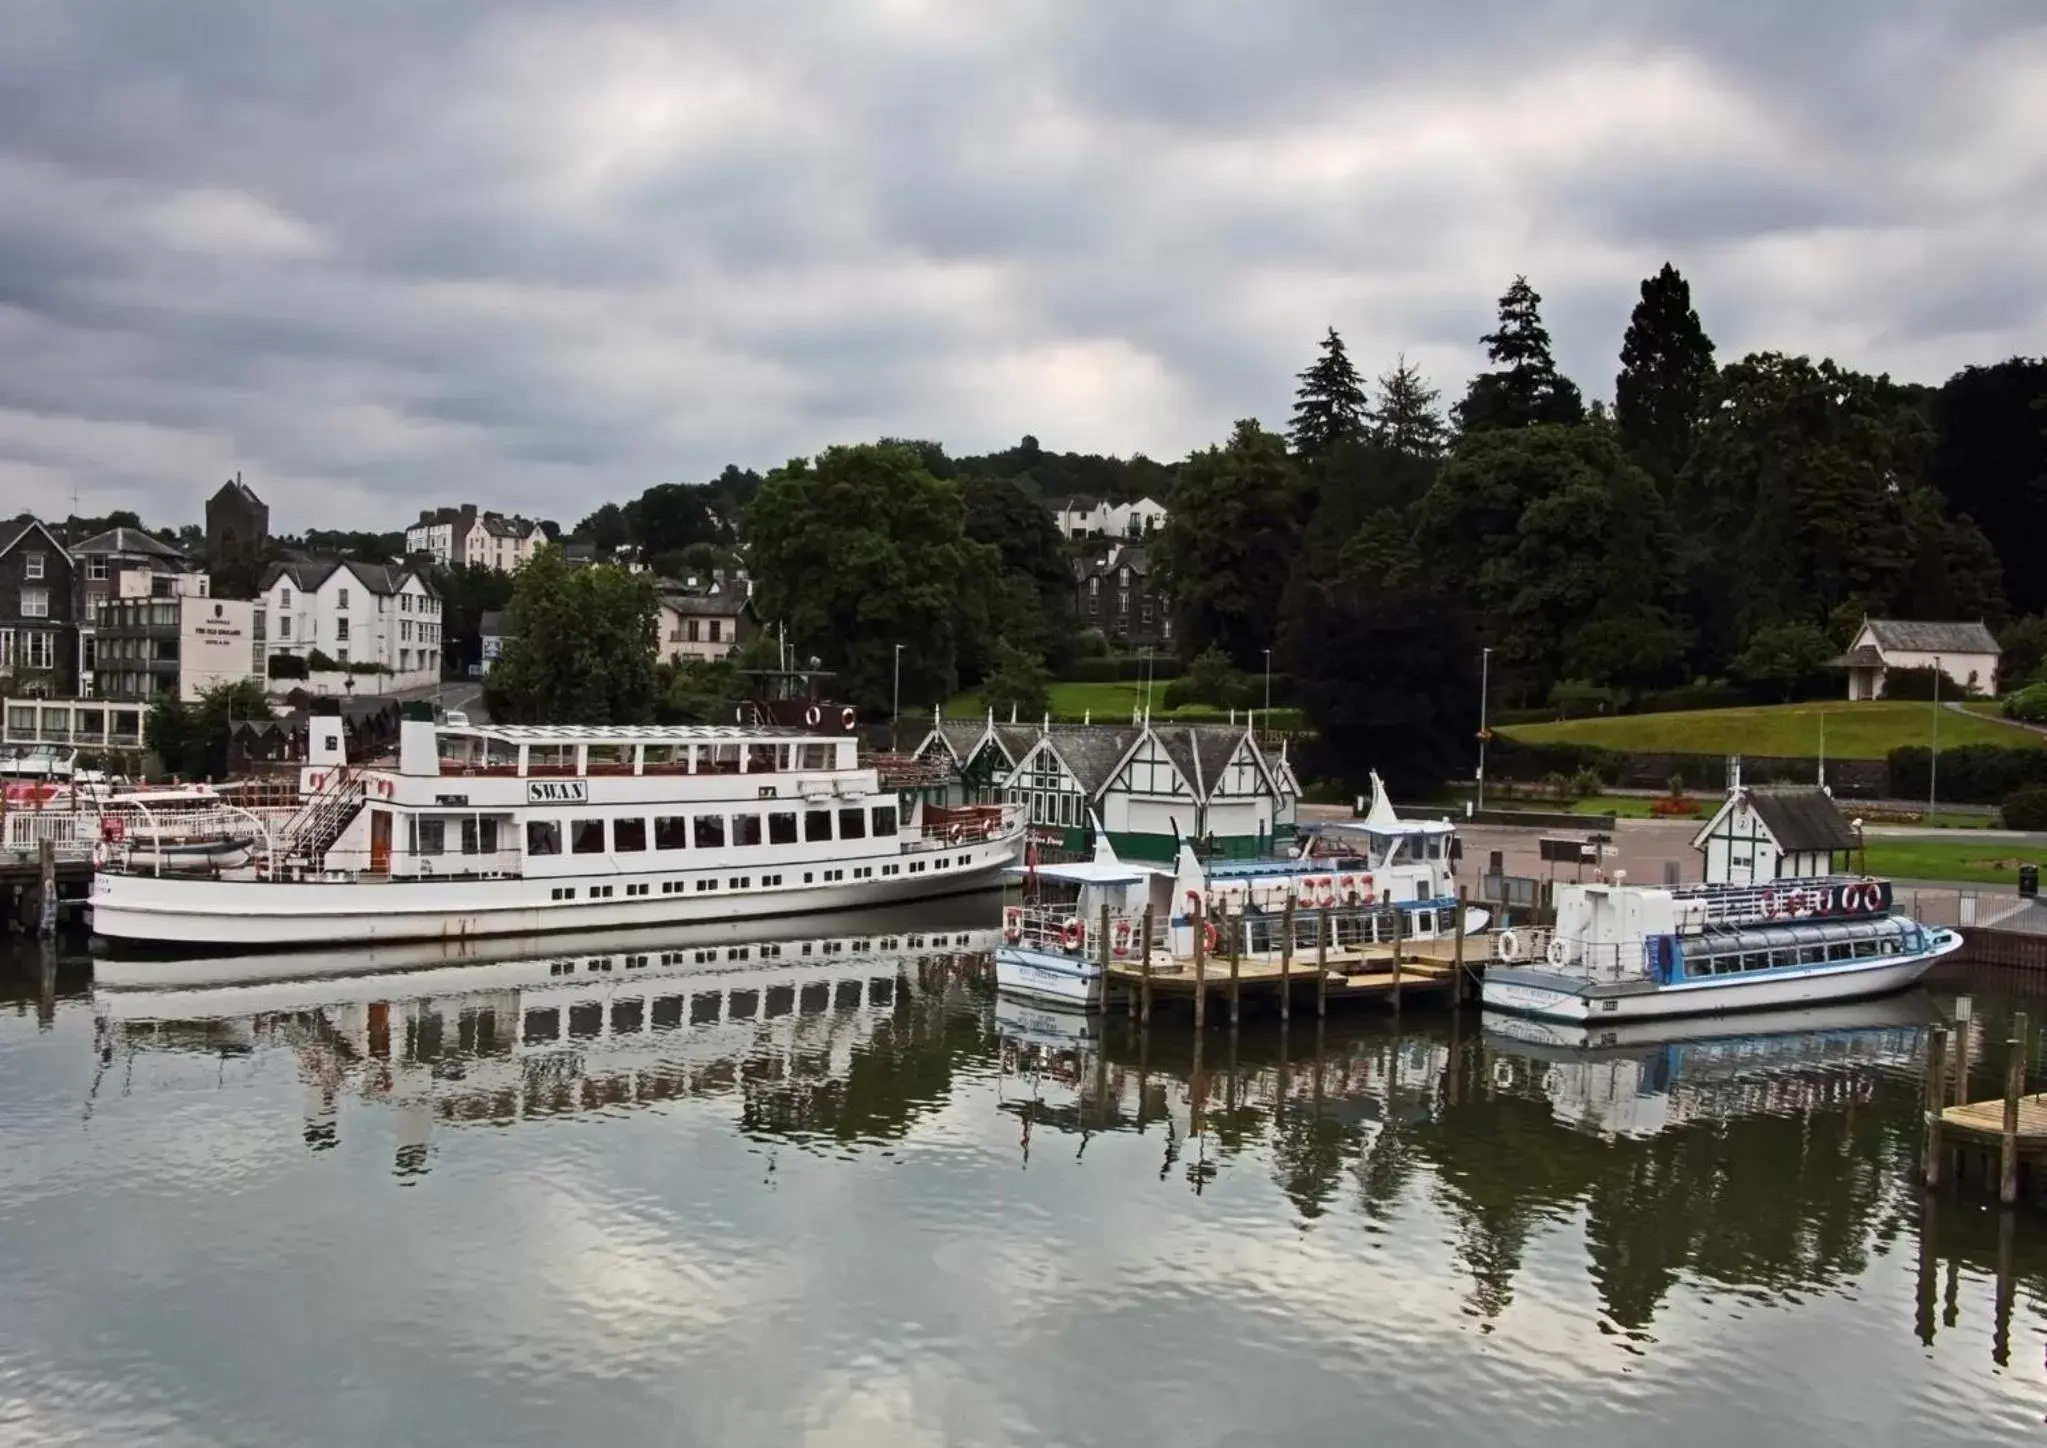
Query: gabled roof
column 386, row 577
column 1800, row 820
column 1863, row 657
column 1213, row 749
column 1090, row 752
column 236, row 488
column 705, row 605
column 1123, row 555
column 1179, row 747
column 304, row 574
column 131, row 540
column 14, row 531
column 310, row 575
column 1931, row 638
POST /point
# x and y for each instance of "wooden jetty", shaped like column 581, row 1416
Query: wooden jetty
column 1998, row 1145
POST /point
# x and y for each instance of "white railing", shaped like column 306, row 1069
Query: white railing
column 1820, row 896
column 132, row 838
column 317, row 824
column 1540, row 948
column 70, row 833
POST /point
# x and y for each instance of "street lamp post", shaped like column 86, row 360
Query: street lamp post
column 1485, row 678
column 1268, row 689
column 896, row 702
column 1933, row 759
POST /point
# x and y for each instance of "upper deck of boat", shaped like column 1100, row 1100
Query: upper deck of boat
column 585, row 749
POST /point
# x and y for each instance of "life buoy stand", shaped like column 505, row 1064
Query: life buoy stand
column 1012, row 924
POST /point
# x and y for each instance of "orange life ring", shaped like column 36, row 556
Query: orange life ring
column 1209, row 935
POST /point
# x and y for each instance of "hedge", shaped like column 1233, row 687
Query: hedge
column 1969, row 773
column 287, row 666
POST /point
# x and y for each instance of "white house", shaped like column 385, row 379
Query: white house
column 478, row 539
column 356, row 613
column 700, row 625
column 1760, row 835
column 1082, row 516
column 1964, row 652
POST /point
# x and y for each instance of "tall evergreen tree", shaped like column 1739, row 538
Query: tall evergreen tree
column 1525, row 388
column 1406, row 419
column 1330, row 405
column 1666, row 368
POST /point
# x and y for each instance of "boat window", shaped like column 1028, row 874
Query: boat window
column 479, row 836
column 609, row 758
column 1890, row 947
column 817, row 756
column 657, row 757
column 1756, row 960
column 1812, row 955
column 884, row 819
column 853, row 823
column 760, row 759
column 1424, row 922
column 671, row 832
column 586, row 837
column 433, row 836
column 718, row 759
column 543, row 837
column 628, row 837
column 1840, row 950
column 817, row 824
column 782, row 828
column 746, row 829
column 710, row 832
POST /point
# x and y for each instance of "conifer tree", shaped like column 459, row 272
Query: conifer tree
column 1406, row 420
column 1330, row 405
column 1526, row 387
column 1666, row 368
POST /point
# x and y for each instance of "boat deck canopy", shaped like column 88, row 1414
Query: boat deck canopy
column 1094, row 872
column 627, row 733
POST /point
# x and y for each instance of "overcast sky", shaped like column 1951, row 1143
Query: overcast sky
column 380, row 255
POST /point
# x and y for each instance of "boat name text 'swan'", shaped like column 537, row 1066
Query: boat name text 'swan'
column 557, row 791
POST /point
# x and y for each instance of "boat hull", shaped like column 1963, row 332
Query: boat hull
column 185, row 914
column 1552, row 995
column 1074, row 981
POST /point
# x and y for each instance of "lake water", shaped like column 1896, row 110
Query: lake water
column 847, row 1197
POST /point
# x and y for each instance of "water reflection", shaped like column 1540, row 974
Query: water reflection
column 1359, row 1190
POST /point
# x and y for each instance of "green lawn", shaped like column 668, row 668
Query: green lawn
column 1992, row 862
column 1111, row 704
column 1854, row 731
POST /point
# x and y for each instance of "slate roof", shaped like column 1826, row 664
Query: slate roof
column 14, row 530
column 131, row 540
column 1179, row 747
column 1124, row 555
column 1213, row 747
column 961, row 735
column 1802, row 820
column 1092, row 751
column 705, row 605
column 308, row 575
column 1865, row 657
column 1932, row 638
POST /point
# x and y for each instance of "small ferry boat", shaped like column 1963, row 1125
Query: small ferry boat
column 1621, row 951
column 525, row 830
column 1376, row 881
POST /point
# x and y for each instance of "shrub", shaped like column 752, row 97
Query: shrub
column 2028, row 705
column 1091, row 643
column 1123, row 669
column 2025, row 808
column 1969, row 773
column 287, row 666
column 1915, row 684
column 1574, row 698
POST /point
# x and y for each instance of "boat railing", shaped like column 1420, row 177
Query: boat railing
column 1066, row 929
column 1544, row 949
column 1818, row 897
column 965, row 825
column 134, row 839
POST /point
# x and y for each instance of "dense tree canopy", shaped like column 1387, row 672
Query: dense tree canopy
column 1230, row 544
column 1989, row 463
column 580, row 646
column 864, row 549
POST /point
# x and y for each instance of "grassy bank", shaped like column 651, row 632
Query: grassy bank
column 1989, row 862
column 1792, row 731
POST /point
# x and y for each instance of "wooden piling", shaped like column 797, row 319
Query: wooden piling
column 1458, row 993
column 1144, row 970
column 1286, row 959
column 1200, row 916
column 1321, row 964
column 46, row 852
column 2014, row 1087
column 1396, row 957
column 1235, row 928
column 1936, row 1063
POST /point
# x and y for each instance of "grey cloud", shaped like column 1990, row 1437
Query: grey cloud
column 533, row 256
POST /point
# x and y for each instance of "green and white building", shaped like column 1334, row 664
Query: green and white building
column 1147, row 786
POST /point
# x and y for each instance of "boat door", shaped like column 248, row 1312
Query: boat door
column 380, row 842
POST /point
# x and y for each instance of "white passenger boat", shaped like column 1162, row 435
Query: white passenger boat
column 1620, row 951
column 523, row 830
column 1375, row 881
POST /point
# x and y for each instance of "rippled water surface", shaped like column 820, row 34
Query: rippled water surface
column 675, row 1204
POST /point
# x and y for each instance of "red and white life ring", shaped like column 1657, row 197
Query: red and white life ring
column 1073, row 934
column 812, row 715
column 1347, row 887
column 99, row 854
column 316, row 779
column 1121, row 947
column 847, row 718
column 1012, row 924
column 1209, row 935
column 111, row 829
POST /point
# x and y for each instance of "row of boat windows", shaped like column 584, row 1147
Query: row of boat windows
column 1821, row 953
column 747, row 882
column 628, row 1017
column 703, row 832
column 1264, row 933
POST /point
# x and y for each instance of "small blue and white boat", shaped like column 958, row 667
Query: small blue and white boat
column 1630, row 952
column 1375, row 880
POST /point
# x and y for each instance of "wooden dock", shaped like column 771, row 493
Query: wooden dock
column 1998, row 1146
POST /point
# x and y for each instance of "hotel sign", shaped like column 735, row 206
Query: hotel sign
column 557, row 791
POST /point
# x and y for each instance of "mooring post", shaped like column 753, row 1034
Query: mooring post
column 1396, row 957
column 1459, row 995
column 1200, row 915
column 1321, row 964
column 1286, row 959
column 46, row 852
column 1965, row 1010
column 1102, row 955
column 1235, row 927
column 1934, row 1093
column 1144, row 971
column 2014, row 1087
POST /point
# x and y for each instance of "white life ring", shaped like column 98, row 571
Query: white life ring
column 99, row 854
column 1121, row 947
column 1558, row 955
column 1348, row 887
column 1012, row 924
column 847, row 718
column 1508, row 947
column 1073, row 934
column 812, row 715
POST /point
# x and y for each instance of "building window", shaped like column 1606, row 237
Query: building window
column 710, row 832
column 31, row 565
column 96, row 569
column 543, row 837
column 1123, row 601
column 284, row 598
column 39, row 650
column 628, row 837
column 716, row 625
column 586, row 837
column 284, row 625
column 35, row 603
column 343, row 602
column 1144, row 609
column 671, row 832
column 689, row 630
column 341, row 630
